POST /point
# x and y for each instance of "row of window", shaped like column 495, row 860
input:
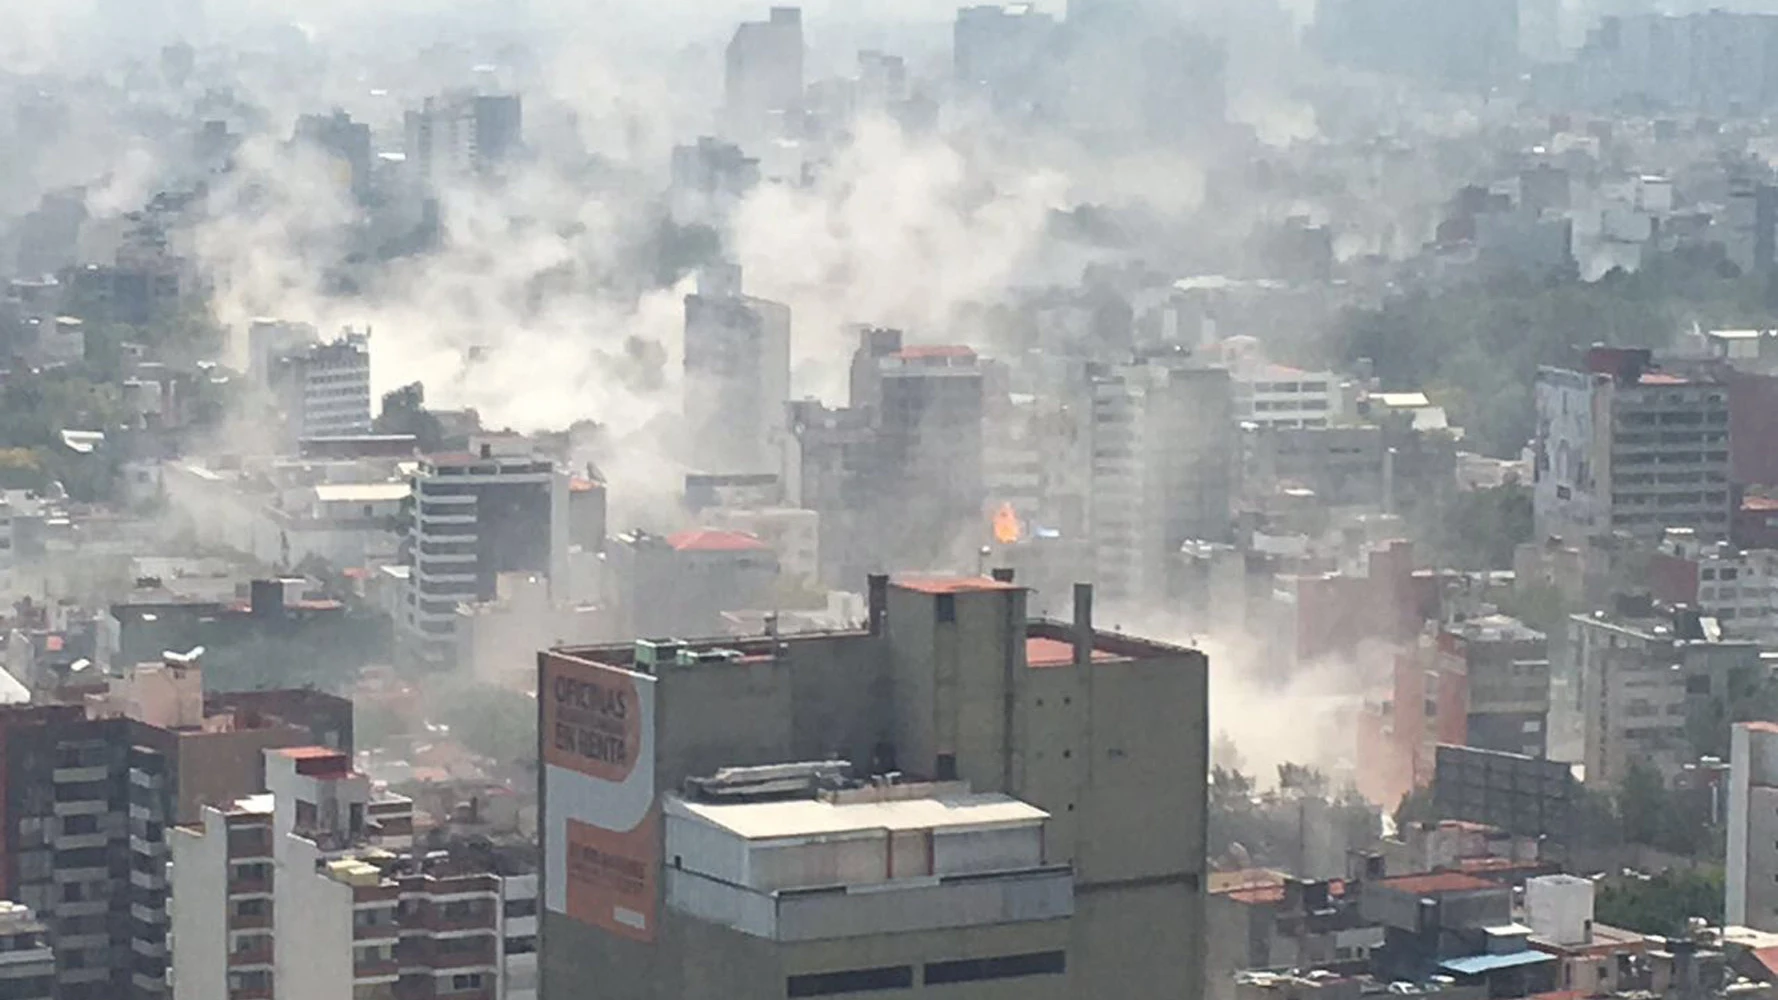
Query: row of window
column 901, row 977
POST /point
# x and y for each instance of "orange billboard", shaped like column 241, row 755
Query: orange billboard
column 602, row 846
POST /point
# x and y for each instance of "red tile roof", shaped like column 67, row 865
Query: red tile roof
column 1768, row 957
column 308, row 753
column 1759, row 503
column 952, row 584
column 1041, row 652
column 1436, row 882
column 708, row 540
column 1275, row 893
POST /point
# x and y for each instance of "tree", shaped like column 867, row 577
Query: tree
column 1481, row 528
column 1661, row 904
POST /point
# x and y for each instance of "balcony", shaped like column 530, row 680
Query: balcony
column 945, row 903
column 247, row 886
column 390, row 970
column 250, row 921
column 250, row 958
column 78, row 775
column 376, row 932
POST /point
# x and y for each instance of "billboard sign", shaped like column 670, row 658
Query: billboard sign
column 602, row 848
column 1564, row 487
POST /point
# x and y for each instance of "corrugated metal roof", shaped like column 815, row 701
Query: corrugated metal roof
column 811, row 817
column 1475, row 965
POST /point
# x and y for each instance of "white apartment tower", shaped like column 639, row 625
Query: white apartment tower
column 473, row 517
column 1750, row 887
column 313, row 892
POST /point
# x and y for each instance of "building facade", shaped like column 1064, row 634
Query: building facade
column 472, row 518
column 737, row 374
column 1092, row 743
column 1750, row 885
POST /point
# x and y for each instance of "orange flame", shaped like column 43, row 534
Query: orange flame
column 1007, row 528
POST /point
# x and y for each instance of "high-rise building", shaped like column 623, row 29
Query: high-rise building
column 764, row 75
column 1027, row 816
column 91, row 788
column 346, row 143
column 928, row 469
column 475, row 516
column 314, row 889
column 1002, row 51
column 1750, row 886
column 1622, row 446
column 323, row 390
column 737, row 374
column 1464, row 44
column 1163, row 466
column 463, row 135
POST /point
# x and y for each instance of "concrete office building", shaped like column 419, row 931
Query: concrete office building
column 473, row 517
column 314, row 890
column 1640, row 673
column 346, row 142
column 1750, row 886
column 737, row 373
column 1001, row 51
column 1034, row 826
column 461, row 135
column 1163, row 456
column 1623, row 447
column 323, row 390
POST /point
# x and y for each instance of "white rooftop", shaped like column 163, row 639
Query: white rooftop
column 806, row 817
column 361, row 492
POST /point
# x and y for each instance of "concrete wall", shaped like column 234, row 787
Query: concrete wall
column 313, row 916
column 198, row 909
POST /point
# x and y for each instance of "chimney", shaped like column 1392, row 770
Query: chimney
column 1003, row 574
column 878, row 598
column 266, row 598
column 1083, row 625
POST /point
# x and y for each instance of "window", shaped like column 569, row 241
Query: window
column 77, row 825
column 947, row 607
column 250, row 908
column 467, row 981
column 1042, row 963
column 820, row 984
column 528, row 944
column 521, row 907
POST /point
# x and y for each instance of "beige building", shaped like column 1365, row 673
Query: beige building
column 1025, row 817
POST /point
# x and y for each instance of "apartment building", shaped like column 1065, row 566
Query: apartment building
column 737, row 373
column 1622, row 446
column 1163, row 457
column 91, row 787
column 1642, row 674
column 1505, row 667
column 1750, row 886
column 315, row 889
column 1001, row 807
column 473, row 517
column 1735, row 586
column 27, row 964
column 323, row 390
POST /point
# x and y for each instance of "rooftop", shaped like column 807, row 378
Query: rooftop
column 362, row 492
column 1475, row 965
column 709, row 540
column 952, row 584
column 1041, row 652
column 1436, row 882
column 925, row 351
column 815, row 817
column 1662, row 378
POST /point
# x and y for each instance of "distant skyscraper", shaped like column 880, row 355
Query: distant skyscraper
column 765, row 70
column 462, row 134
column 1000, row 51
column 347, row 142
column 323, row 390
column 737, row 373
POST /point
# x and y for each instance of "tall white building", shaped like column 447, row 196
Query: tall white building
column 1750, row 887
column 312, row 891
column 474, row 517
column 1281, row 396
column 1163, row 441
